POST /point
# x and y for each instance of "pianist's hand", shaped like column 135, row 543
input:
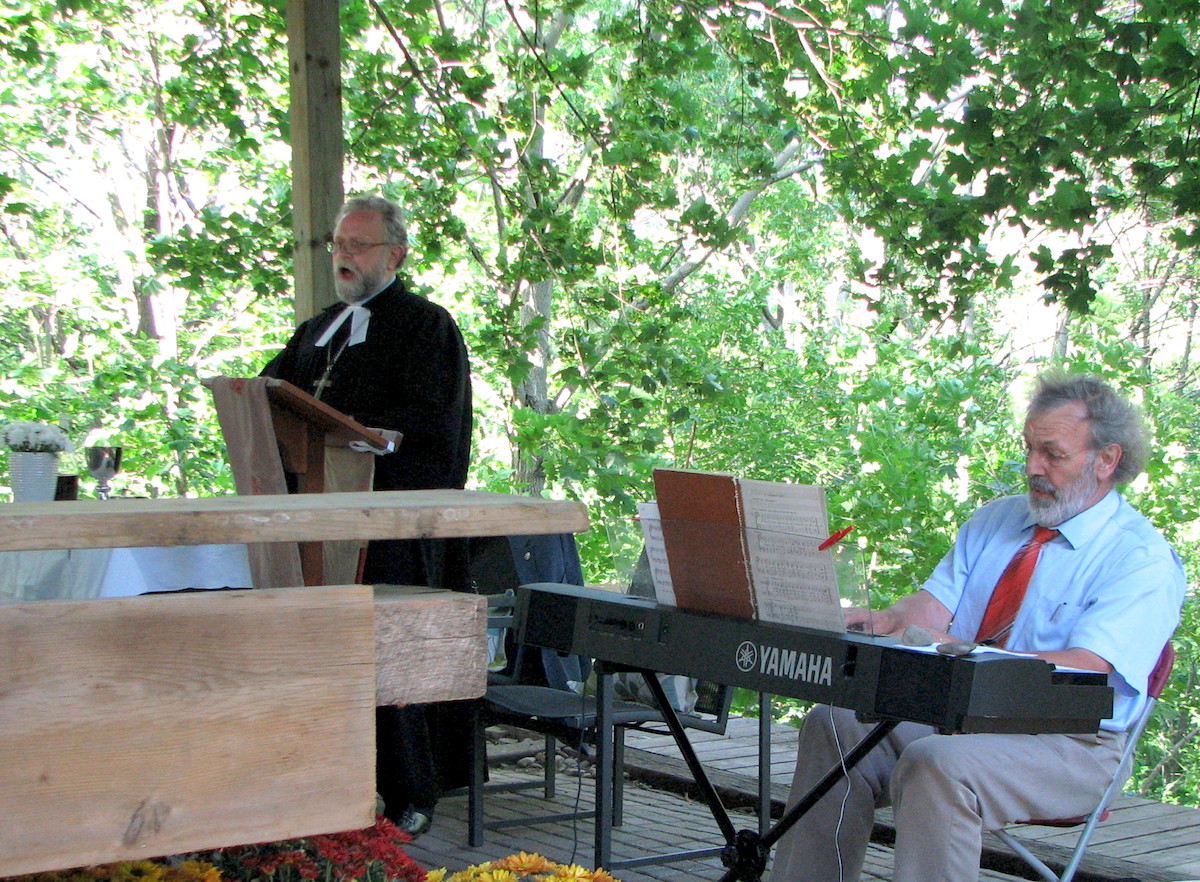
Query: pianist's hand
column 919, row 608
column 882, row 621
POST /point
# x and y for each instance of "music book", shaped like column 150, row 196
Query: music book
column 747, row 548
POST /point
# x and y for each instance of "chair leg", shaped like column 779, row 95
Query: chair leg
column 618, row 759
column 550, row 749
column 478, row 777
column 602, row 850
column 1026, row 855
column 1081, row 844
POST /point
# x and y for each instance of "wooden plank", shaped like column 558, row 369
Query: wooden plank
column 381, row 514
column 430, row 645
column 152, row 725
column 1184, row 861
column 669, row 772
column 672, row 774
column 1095, row 866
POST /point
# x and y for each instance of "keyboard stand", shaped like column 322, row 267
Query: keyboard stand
column 745, row 851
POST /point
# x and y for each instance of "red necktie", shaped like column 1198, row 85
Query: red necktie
column 1006, row 597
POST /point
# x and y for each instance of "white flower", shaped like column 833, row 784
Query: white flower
column 35, row 438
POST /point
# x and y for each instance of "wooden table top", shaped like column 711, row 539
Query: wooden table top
column 393, row 514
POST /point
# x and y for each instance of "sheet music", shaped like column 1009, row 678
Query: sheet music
column 794, row 582
column 656, row 552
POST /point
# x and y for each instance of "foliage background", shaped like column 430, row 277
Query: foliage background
column 825, row 245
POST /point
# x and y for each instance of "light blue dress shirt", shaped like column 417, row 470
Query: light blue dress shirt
column 1109, row 583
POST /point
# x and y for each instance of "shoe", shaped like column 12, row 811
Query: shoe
column 414, row 823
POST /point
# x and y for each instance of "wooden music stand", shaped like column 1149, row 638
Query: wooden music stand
column 253, row 412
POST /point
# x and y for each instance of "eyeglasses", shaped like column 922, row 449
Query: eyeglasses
column 353, row 247
column 1052, row 456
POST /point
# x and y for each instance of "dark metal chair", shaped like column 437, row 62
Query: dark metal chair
column 537, row 689
column 566, row 716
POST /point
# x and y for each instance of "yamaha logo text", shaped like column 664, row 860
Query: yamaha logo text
column 772, row 661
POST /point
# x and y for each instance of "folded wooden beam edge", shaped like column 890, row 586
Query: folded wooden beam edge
column 405, row 514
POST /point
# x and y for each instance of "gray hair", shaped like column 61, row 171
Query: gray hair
column 1113, row 419
column 392, row 214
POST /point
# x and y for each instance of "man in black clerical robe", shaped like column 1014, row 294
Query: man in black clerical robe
column 393, row 360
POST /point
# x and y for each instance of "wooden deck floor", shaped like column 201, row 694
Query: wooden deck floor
column 1142, row 840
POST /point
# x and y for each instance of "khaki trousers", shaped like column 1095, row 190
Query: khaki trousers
column 945, row 790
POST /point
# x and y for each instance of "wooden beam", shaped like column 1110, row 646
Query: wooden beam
column 430, row 645
column 143, row 726
column 314, row 55
column 299, row 517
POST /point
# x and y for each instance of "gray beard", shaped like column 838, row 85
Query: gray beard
column 1067, row 502
column 350, row 292
column 359, row 288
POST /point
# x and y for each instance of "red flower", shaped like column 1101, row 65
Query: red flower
column 338, row 856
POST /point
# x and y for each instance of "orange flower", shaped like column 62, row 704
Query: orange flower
column 526, row 864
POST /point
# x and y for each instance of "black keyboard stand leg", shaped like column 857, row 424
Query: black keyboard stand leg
column 719, row 812
column 746, row 851
column 749, row 851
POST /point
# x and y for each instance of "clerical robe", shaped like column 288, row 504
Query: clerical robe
column 409, row 374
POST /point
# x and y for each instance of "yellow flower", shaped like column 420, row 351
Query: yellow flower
column 472, row 873
column 479, row 873
column 521, row 866
column 572, row 873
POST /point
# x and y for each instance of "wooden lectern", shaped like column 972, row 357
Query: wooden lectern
column 271, row 428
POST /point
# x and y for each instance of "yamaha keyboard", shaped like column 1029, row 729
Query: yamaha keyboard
column 874, row 676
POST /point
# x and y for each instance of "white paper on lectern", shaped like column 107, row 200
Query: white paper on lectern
column 794, row 581
column 656, row 552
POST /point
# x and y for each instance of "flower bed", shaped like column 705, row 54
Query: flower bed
column 375, row 854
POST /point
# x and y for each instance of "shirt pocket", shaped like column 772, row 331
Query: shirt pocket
column 1051, row 623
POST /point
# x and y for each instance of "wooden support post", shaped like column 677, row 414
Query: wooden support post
column 314, row 55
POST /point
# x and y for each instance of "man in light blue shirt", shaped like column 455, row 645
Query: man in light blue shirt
column 1104, row 596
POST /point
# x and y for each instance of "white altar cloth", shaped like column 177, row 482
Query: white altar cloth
column 119, row 572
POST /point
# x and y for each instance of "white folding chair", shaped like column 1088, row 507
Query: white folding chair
column 1158, row 679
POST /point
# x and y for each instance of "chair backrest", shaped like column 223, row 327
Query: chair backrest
column 500, row 609
column 503, row 563
column 1154, row 687
column 506, row 658
column 712, row 699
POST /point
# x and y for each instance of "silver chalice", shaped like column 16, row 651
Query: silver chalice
column 103, row 463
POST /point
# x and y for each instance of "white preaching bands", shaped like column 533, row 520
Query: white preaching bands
column 358, row 328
